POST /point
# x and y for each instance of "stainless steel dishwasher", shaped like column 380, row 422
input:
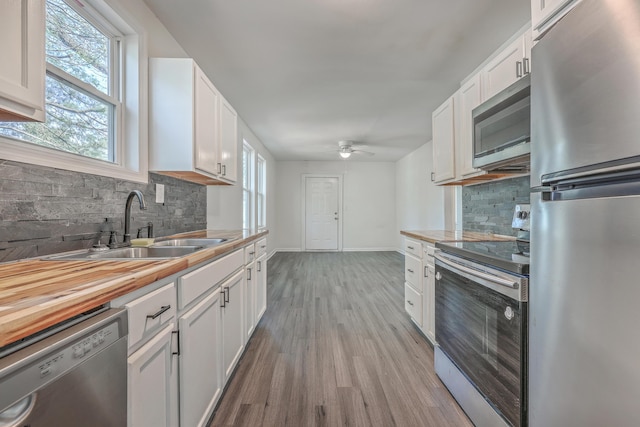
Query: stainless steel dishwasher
column 75, row 377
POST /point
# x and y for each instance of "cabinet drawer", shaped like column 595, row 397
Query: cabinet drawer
column 198, row 282
column 413, row 247
column 261, row 247
column 150, row 312
column 413, row 271
column 249, row 253
column 413, row 303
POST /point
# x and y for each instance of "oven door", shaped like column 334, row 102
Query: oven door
column 482, row 328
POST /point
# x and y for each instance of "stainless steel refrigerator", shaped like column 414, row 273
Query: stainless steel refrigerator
column 584, row 336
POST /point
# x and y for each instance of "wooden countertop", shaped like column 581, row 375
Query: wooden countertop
column 434, row 236
column 37, row 293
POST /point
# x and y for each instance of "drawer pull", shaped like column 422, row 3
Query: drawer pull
column 411, row 247
column 410, row 303
column 263, row 246
column 426, row 271
column 259, row 265
column 248, row 274
column 226, row 295
column 410, row 270
column 252, row 252
column 222, row 298
column 159, row 312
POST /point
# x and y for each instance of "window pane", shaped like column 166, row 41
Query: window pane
column 76, row 46
column 75, row 122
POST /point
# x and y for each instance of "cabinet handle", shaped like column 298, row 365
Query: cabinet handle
column 410, row 270
column 159, row 312
column 426, row 271
column 222, row 298
column 177, row 335
column 411, row 247
column 263, row 246
column 252, row 252
column 519, row 69
column 248, row 274
column 527, row 68
column 259, row 265
column 433, row 176
column 224, row 170
column 219, row 168
column 226, row 295
column 410, row 303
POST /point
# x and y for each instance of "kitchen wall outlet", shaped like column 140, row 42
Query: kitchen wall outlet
column 159, row 193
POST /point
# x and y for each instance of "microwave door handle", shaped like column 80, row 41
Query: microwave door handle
column 488, row 277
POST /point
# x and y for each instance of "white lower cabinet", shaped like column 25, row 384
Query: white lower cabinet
column 419, row 286
column 261, row 286
column 200, row 369
column 152, row 383
column 177, row 369
column 232, row 322
column 250, row 300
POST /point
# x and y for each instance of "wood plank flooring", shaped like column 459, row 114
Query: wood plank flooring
column 336, row 348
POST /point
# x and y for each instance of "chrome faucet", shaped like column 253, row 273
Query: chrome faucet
column 127, row 214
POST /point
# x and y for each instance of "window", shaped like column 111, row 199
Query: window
column 261, row 192
column 95, row 94
column 247, row 186
column 82, row 85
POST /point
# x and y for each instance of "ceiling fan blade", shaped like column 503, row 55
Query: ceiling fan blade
column 365, row 153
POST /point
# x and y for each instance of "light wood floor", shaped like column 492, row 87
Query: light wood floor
column 336, row 348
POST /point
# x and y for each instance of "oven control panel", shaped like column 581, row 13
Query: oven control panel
column 521, row 217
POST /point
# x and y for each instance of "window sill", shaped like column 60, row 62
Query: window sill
column 42, row 156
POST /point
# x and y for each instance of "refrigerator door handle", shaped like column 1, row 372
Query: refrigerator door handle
column 542, row 189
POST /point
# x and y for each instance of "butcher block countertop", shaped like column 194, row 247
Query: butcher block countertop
column 37, row 293
column 435, row 236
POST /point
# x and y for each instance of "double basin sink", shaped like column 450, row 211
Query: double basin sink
column 160, row 250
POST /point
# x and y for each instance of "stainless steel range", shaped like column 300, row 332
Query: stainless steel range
column 481, row 325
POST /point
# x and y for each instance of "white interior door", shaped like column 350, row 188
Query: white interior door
column 321, row 213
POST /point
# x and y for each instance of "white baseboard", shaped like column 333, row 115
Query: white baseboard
column 369, row 249
column 287, row 250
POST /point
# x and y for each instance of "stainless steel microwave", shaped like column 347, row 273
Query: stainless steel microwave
column 502, row 130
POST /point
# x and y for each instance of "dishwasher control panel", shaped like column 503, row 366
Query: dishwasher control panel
column 73, row 354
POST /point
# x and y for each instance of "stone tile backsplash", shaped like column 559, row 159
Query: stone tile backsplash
column 45, row 210
column 489, row 207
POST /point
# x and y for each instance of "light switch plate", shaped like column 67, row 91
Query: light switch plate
column 159, row 193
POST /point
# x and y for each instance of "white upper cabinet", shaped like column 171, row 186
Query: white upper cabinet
column 22, row 68
column 444, row 142
column 507, row 66
column 206, row 102
column 192, row 130
column 469, row 97
column 228, row 142
column 545, row 13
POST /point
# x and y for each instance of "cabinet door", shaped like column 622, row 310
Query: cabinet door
column 232, row 322
column 543, row 12
column 250, row 300
column 200, row 370
column 22, row 68
column 443, row 142
column 261, row 287
column 206, row 99
column 468, row 99
column 503, row 70
column 152, row 379
column 228, row 141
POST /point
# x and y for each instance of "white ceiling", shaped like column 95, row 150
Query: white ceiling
column 304, row 74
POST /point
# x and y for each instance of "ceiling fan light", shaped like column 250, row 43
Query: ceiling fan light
column 345, row 154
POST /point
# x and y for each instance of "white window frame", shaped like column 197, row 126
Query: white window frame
column 131, row 147
column 248, row 186
column 261, row 192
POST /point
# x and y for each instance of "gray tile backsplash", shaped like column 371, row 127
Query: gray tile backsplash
column 45, row 210
column 489, row 207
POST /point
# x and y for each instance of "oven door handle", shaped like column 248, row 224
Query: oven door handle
column 488, row 277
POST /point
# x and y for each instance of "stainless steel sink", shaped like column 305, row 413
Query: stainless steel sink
column 163, row 252
column 189, row 242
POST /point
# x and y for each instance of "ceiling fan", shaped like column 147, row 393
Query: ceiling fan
column 347, row 148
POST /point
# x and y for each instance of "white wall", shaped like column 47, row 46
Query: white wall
column 419, row 202
column 368, row 196
column 224, row 203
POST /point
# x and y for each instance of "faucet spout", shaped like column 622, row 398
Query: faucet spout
column 127, row 214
